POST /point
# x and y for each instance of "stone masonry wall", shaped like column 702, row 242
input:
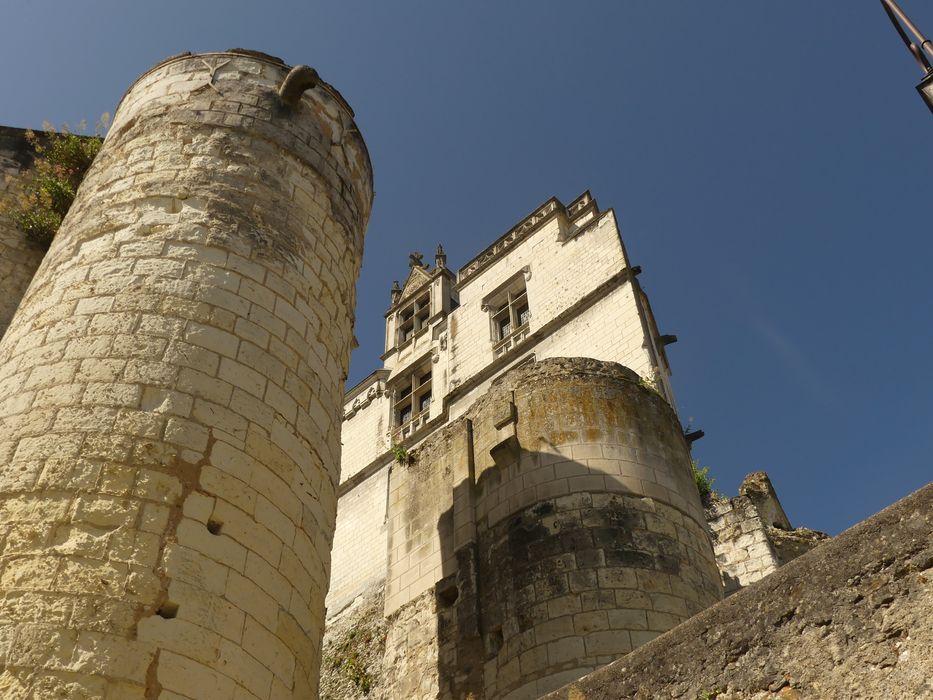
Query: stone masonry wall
column 849, row 619
column 360, row 541
column 590, row 527
column 751, row 534
column 18, row 257
column 365, row 428
column 171, row 397
column 354, row 649
column 740, row 539
column 551, row 529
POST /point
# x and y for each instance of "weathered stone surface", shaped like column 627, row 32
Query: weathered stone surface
column 551, row 529
column 170, row 392
column 354, row 647
column 751, row 534
column 849, row 619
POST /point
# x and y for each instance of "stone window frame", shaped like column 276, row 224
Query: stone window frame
column 412, row 318
column 509, row 310
column 412, row 395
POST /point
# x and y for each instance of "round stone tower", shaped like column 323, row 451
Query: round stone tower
column 591, row 535
column 170, row 391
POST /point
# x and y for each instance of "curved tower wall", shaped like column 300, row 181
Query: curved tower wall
column 552, row 529
column 171, row 390
column 590, row 528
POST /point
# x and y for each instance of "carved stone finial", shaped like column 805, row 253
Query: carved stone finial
column 440, row 257
column 414, row 260
column 396, row 291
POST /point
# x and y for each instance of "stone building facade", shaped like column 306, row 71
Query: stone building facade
column 557, row 284
column 515, row 481
column 517, row 505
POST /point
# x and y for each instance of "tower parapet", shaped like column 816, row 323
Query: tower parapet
column 172, row 383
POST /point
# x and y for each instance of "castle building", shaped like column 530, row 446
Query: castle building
column 515, row 477
column 511, row 507
column 557, row 284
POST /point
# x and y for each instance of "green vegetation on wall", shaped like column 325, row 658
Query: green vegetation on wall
column 353, row 650
column 704, row 483
column 61, row 161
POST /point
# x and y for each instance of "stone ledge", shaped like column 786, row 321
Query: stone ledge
column 850, row 618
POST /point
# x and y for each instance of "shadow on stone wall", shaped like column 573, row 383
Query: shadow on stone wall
column 559, row 588
column 848, row 619
column 551, row 530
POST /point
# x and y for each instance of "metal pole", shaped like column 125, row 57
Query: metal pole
column 897, row 16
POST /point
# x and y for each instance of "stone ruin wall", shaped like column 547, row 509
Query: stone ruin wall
column 850, row 619
column 553, row 528
column 19, row 258
column 171, row 395
column 751, row 534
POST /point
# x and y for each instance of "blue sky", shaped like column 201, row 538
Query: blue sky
column 769, row 164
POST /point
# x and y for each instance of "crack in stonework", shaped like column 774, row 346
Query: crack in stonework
column 153, row 687
column 189, row 474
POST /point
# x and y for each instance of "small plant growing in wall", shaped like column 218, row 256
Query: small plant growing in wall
column 652, row 382
column 704, row 483
column 355, row 671
column 708, row 694
column 61, row 161
column 401, row 455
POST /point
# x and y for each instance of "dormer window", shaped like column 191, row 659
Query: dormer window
column 413, row 318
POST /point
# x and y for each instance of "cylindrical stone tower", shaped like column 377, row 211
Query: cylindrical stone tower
column 591, row 533
column 170, row 391
column 550, row 530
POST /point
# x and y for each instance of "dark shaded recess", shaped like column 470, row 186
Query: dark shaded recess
column 168, row 610
column 462, row 649
column 13, row 143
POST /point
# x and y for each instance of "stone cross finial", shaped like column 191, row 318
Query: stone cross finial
column 414, row 259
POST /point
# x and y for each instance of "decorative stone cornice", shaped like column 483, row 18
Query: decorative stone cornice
column 363, row 400
column 551, row 208
column 376, row 378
